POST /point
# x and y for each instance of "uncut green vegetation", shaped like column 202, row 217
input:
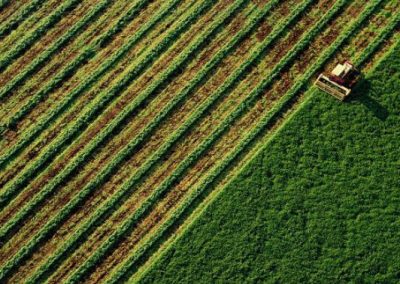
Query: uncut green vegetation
column 316, row 204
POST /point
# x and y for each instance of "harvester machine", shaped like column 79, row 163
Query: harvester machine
column 340, row 81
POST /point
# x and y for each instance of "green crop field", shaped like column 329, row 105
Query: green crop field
column 183, row 141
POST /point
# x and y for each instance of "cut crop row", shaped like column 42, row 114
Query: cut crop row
column 30, row 39
column 127, row 265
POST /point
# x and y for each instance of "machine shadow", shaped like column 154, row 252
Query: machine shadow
column 360, row 94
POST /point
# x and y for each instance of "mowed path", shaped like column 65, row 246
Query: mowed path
column 131, row 110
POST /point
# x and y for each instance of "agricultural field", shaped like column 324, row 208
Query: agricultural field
column 319, row 200
column 121, row 121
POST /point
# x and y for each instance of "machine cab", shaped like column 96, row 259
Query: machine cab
column 340, row 81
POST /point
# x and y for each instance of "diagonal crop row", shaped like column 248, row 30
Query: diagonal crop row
column 134, row 104
column 59, row 163
column 104, row 98
column 72, row 112
column 37, row 34
column 82, row 23
column 86, row 79
column 88, row 82
column 254, row 133
column 94, row 259
column 15, row 21
column 192, row 85
column 219, row 20
column 86, row 55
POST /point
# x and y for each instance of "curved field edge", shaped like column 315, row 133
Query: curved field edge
column 273, row 172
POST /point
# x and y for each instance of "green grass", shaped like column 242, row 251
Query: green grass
column 318, row 204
